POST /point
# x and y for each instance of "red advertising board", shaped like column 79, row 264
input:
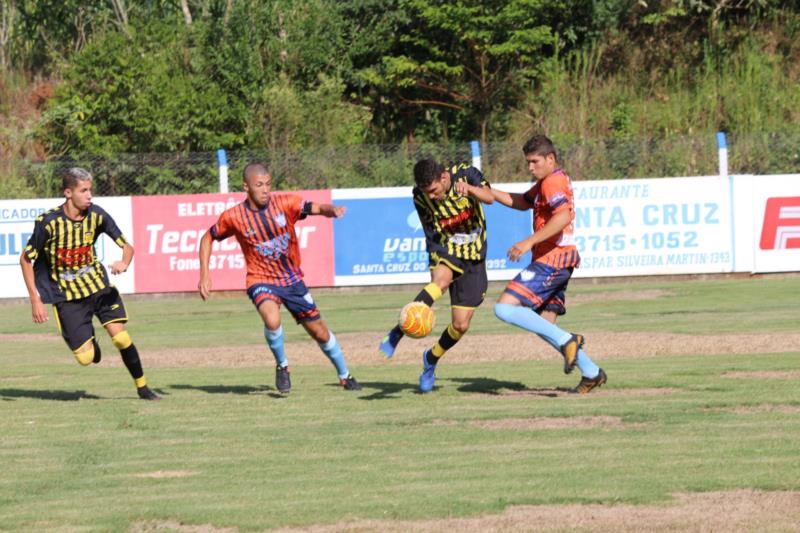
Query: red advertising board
column 167, row 233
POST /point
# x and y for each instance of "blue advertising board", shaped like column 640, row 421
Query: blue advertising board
column 380, row 239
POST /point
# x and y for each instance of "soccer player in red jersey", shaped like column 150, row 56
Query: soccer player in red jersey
column 264, row 227
column 536, row 296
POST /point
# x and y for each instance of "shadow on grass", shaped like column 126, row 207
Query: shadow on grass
column 231, row 389
column 383, row 390
column 497, row 387
column 56, row 395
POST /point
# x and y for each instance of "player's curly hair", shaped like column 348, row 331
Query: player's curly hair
column 71, row 176
column 540, row 145
column 425, row 171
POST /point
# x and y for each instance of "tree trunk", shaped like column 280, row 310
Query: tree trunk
column 228, row 9
column 187, row 15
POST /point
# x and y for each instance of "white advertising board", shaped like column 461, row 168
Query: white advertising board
column 653, row 226
column 16, row 225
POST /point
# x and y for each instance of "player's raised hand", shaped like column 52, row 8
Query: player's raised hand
column 39, row 312
column 339, row 211
column 204, row 286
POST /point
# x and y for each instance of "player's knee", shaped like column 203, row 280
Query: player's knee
column 85, row 356
column 503, row 311
column 461, row 326
column 122, row 340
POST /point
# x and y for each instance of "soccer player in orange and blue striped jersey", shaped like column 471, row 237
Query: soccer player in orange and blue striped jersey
column 264, row 227
column 536, row 296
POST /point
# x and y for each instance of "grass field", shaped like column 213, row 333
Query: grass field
column 224, row 451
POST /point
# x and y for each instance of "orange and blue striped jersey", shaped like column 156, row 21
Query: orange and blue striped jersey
column 455, row 226
column 64, row 259
column 267, row 238
column 549, row 196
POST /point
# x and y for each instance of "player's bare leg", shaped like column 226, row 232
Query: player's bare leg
column 270, row 312
column 130, row 357
column 441, row 278
column 329, row 345
column 461, row 318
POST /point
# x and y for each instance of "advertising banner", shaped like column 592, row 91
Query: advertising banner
column 169, row 229
column 16, row 225
column 381, row 239
column 776, row 214
column 653, row 226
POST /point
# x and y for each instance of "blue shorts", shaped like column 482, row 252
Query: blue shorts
column 541, row 287
column 295, row 297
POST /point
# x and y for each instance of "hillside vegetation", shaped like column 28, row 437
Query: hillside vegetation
column 347, row 92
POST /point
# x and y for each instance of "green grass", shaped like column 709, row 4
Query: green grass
column 75, row 443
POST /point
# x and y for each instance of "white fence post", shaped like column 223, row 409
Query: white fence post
column 722, row 146
column 475, row 147
column 223, row 170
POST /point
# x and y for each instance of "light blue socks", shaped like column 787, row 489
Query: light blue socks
column 530, row 320
column 334, row 353
column 275, row 343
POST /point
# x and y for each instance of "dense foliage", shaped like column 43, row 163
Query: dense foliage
column 626, row 87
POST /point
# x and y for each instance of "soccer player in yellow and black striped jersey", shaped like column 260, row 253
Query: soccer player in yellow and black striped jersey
column 449, row 204
column 60, row 267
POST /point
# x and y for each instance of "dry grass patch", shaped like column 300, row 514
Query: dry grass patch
column 547, row 422
column 179, row 527
column 734, row 510
column 362, row 349
column 763, row 374
column 161, row 474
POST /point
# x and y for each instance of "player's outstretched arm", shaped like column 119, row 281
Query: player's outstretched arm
column 118, row 267
column 482, row 194
column 512, row 200
column 38, row 310
column 204, row 285
column 553, row 227
column 328, row 210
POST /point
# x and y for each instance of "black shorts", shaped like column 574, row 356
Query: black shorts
column 470, row 282
column 74, row 318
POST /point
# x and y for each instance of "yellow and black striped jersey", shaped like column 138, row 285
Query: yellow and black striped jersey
column 455, row 226
column 63, row 253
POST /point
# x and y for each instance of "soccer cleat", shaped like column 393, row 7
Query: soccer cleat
column 570, row 351
column 146, row 394
column 588, row 384
column 390, row 342
column 349, row 383
column 283, row 382
column 428, row 376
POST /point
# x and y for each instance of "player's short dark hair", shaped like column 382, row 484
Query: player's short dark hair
column 255, row 166
column 425, row 171
column 71, row 176
column 540, row 145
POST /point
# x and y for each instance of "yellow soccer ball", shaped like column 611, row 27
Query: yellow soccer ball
column 417, row 320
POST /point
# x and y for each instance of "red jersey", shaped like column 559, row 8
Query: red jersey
column 267, row 238
column 549, row 196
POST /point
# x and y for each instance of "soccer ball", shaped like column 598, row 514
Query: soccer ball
column 416, row 320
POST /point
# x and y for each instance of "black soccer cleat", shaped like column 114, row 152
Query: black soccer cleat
column 349, row 383
column 283, row 382
column 146, row 394
column 588, row 384
column 570, row 351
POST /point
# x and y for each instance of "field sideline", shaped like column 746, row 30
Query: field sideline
column 697, row 428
